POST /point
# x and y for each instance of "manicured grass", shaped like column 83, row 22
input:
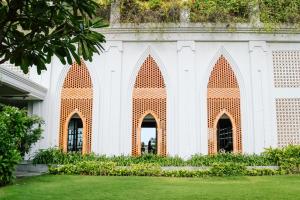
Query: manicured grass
column 152, row 188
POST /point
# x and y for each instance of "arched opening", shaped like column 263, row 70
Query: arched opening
column 224, row 134
column 149, row 135
column 75, row 134
column 223, row 94
column 149, row 97
column 76, row 97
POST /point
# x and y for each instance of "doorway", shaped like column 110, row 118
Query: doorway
column 149, row 135
column 75, row 130
column 224, row 134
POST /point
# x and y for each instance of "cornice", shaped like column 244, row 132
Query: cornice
column 199, row 32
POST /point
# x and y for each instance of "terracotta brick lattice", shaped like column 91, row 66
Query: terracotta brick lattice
column 149, row 96
column 77, row 97
column 286, row 66
column 223, row 98
column 288, row 121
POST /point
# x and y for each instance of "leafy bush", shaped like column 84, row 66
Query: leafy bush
column 145, row 169
column 18, row 132
column 97, row 168
column 288, row 158
column 220, row 10
column 85, row 168
column 104, row 10
column 249, row 160
column 280, row 11
column 226, row 164
column 55, row 156
column 228, row 169
column 143, row 11
column 8, row 161
column 263, row 172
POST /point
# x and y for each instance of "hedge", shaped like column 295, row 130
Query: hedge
column 287, row 159
column 55, row 156
column 96, row 168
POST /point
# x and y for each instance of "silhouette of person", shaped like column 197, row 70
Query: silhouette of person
column 150, row 147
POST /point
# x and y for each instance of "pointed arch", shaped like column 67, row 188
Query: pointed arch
column 83, row 120
column 223, row 97
column 148, row 51
column 233, row 65
column 76, row 97
column 149, row 96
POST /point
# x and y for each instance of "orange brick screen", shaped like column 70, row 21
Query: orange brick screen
column 223, row 97
column 77, row 97
column 149, row 96
column 288, row 121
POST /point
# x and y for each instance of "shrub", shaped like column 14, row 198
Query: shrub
column 96, row 168
column 18, row 132
column 288, row 158
column 8, row 161
column 228, row 169
column 57, row 156
column 209, row 160
column 145, row 169
column 263, row 172
column 279, row 11
column 140, row 11
column 220, row 10
column 104, row 10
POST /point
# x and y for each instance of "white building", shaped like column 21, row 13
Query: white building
column 203, row 90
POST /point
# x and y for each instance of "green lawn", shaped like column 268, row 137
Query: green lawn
column 143, row 188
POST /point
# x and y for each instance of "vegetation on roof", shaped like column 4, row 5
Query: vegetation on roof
column 270, row 12
column 143, row 11
column 220, row 10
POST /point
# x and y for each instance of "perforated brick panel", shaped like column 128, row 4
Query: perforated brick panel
column 149, row 96
column 77, row 97
column 288, row 121
column 286, row 66
column 223, row 97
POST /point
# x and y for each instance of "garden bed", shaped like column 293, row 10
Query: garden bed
column 271, row 162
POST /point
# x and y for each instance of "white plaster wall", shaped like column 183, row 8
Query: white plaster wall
column 186, row 61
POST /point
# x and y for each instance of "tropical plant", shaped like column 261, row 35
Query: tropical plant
column 18, row 132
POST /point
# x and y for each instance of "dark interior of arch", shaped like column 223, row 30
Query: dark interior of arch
column 224, row 134
column 75, row 134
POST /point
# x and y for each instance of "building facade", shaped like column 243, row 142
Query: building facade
column 202, row 90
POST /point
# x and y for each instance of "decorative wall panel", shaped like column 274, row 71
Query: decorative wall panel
column 286, row 66
column 77, row 97
column 223, row 98
column 149, row 96
column 288, row 121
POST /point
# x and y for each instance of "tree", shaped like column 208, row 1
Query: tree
column 32, row 31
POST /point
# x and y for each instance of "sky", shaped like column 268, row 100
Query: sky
column 147, row 133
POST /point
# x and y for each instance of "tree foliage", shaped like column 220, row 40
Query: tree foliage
column 32, row 31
